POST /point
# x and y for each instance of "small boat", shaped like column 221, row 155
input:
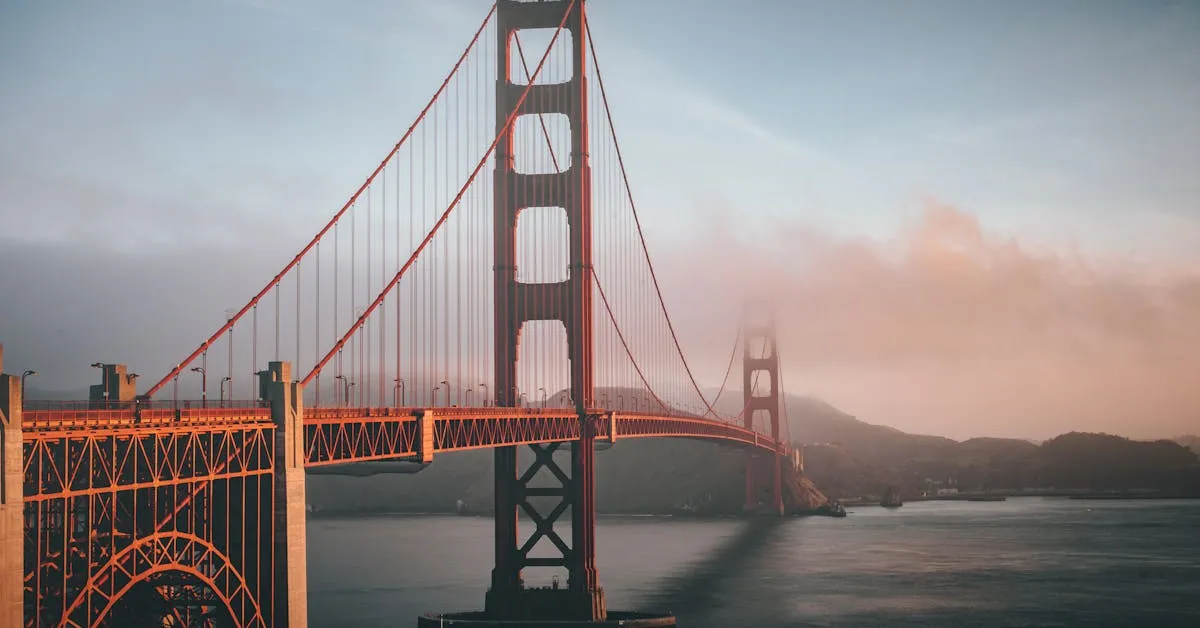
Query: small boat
column 831, row 508
column 891, row 498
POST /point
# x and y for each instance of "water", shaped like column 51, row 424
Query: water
column 1023, row 562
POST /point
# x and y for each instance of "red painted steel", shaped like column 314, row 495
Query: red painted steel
column 94, row 493
column 760, row 327
column 516, row 303
column 346, row 435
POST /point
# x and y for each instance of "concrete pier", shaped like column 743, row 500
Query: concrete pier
column 291, row 536
column 12, row 538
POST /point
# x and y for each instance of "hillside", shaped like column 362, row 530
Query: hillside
column 848, row 458
column 1190, row 441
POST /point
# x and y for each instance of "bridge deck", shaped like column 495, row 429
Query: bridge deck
column 344, row 435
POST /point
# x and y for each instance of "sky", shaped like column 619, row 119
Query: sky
column 981, row 218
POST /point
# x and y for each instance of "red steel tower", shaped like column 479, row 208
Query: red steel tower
column 761, row 394
column 568, row 301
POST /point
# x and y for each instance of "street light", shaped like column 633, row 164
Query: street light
column 466, row 391
column 485, row 394
column 27, row 373
column 447, row 385
column 433, row 395
column 345, row 388
column 223, row 380
column 398, row 392
column 349, row 385
column 203, row 384
column 543, row 396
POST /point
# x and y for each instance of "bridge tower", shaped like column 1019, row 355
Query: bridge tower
column 569, row 302
column 12, row 539
column 760, row 361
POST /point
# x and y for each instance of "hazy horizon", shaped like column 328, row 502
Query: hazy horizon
column 997, row 235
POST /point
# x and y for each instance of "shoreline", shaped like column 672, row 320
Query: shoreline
column 354, row 514
column 1063, row 494
column 1078, row 496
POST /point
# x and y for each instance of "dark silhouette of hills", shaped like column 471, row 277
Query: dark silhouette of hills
column 1190, row 441
column 849, row 458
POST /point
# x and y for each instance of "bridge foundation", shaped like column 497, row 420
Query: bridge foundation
column 291, row 536
column 12, row 535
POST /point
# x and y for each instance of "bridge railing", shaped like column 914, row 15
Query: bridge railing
column 85, row 415
column 334, row 412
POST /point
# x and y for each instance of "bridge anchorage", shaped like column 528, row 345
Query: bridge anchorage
column 128, row 510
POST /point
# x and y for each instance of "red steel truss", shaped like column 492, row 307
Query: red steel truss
column 170, row 512
column 346, row 435
column 95, row 552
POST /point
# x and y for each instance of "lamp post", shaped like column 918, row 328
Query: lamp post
column 433, row 395
column 27, row 373
column 345, row 389
column 104, row 377
column 447, row 385
column 203, row 384
column 398, row 392
column 485, row 394
column 349, row 385
column 466, row 391
column 543, row 390
column 223, row 380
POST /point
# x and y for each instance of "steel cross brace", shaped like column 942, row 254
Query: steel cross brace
column 544, row 458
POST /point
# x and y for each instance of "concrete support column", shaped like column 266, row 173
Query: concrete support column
column 291, row 535
column 12, row 535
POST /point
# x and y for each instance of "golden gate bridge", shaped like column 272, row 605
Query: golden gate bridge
column 486, row 287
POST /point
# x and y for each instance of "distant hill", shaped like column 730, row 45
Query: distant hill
column 1190, row 441
column 849, row 458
